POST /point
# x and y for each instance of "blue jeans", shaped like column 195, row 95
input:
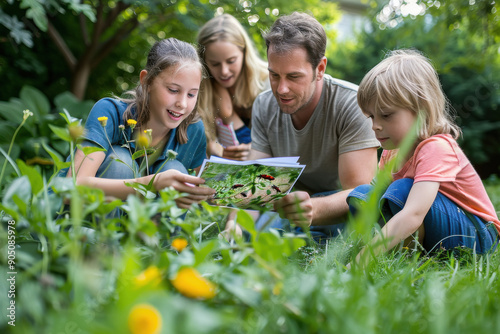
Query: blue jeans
column 320, row 234
column 113, row 169
column 446, row 224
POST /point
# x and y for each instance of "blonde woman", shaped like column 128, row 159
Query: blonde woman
column 236, row 76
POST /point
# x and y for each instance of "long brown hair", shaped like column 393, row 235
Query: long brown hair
column 164, row 54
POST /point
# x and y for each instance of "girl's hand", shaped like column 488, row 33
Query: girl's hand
column 183, row 183
column 239, row 152
column 296, row 207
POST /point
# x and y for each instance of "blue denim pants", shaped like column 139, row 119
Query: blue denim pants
column 446, row 224
column 113, row 169
column 320, row 234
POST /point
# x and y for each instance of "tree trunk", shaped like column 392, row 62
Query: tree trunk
column 80, row 80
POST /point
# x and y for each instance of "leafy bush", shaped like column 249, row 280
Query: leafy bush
column 35, row 137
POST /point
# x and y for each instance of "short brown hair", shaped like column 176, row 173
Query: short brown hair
column 298, row 30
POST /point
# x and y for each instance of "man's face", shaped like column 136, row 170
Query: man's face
column 293, row 80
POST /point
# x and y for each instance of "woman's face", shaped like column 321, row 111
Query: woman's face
column 172, row 95
column 224, row 61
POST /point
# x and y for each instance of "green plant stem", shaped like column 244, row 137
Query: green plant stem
column 72, row 153
column 112, row 149
column 10, row 149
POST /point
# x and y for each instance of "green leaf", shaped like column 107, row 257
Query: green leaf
column 33, row 175
column 140, row 153
column 22, row 36
column 9, row 159
column 62, row 133
column 204, row 250
column 7, row 130
column 246, row 221
column 35, row 100
column 21, row 188
column 62, row 184
column 36, row 12
column 236, row 286
column 79, row 109
column 12, row 111
column 143, row 189
column 91, row 149
column 84, row 9
column 56, row 157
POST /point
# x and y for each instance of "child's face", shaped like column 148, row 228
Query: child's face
column 224, row 61
column 172, row 95
column 391, row 125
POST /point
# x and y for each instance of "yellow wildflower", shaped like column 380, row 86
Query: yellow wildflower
column 150, row 276
column 103, row 120
column 143, row 140
column 132, row 123
column 144, row 319
column 191, row 284
column 179, row 244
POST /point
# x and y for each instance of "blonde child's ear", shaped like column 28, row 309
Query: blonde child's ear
column 142, row 76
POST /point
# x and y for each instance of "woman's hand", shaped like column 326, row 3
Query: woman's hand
column 239, row 152
column 185, row 184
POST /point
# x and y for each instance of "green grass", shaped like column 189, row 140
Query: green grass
column 87, row 287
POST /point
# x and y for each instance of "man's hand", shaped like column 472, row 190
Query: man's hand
column 296, row 207
column 239, row 152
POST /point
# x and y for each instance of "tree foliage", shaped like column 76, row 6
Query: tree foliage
column 70, row 43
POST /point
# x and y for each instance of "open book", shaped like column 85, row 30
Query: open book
column 250, row 184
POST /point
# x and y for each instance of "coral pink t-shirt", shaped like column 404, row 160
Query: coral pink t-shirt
column 440, row 159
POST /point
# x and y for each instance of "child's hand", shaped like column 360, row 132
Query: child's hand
column 186, row 184
column 296, row 207
column 239, row 152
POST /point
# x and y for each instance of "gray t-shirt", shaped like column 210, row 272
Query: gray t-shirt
column 337, row 126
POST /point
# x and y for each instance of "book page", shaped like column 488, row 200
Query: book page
column 252, row 184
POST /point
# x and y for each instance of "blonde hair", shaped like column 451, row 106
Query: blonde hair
column 406, row 79
column 164, row 54
column 252, row 79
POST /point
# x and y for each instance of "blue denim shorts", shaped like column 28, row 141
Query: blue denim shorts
column 446, row 224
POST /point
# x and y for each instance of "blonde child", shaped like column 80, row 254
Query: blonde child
column 436, row 193
column 164, row 106
column 237, row 76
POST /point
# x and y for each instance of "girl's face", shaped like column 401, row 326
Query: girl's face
column 172, row 95
column 391, row 125
column 224, row 61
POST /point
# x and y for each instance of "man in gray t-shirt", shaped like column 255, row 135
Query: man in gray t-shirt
column 314, row 116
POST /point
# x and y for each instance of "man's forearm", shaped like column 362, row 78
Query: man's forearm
column 328, row 210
